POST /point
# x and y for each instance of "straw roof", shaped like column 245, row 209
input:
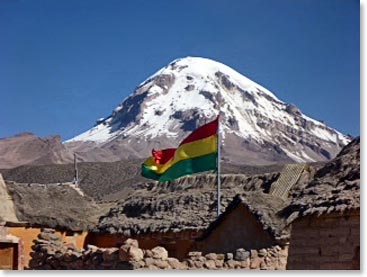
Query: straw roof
column 185, row 204
column 335, row 188
column 60, row 206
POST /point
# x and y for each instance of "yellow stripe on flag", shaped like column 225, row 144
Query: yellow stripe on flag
column 186, row 151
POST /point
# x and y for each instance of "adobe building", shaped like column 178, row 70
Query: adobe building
column 25, row 209
column 325, row 216
column 177, row 214
column 250, row 221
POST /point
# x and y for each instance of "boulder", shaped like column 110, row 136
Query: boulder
column 175, row 264
column 129, row 253
column 253, row 254
column 255, row 264
column 160, row 253
column 211, row 256
column 262, row 252
column 162, row 264
column 210, row 264
column 229, row 256
column 220, row 256
column 135, row 254
column 241, row 254
column 148, row 261
column 132, row 242
column 219, row 263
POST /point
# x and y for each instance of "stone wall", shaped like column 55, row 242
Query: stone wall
column 50, row 252
column 326, row 242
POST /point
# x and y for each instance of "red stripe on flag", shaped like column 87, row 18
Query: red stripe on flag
column 202, row 132
column 207, row 130
column 163, row 156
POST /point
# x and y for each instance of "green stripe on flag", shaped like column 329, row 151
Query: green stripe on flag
column 183, row 167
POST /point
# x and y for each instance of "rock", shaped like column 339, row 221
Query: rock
column 241, row 254
column 110, row 254
column 201, row 259
column 138, row 265
column 245, row 264
column 148, row 253
column 220, row 256
column 174, row 263
column 277, row 248
column 92, row 248
column 211, row 256
column 253, row 254
column 48, row 236
column 229, row 256
column 198, row 264
column 231, row 264
column 160, row 253
column 152, row 267
column 76, row 255
column 132, row 242
column 41, row 242
column 148, row 261
column 219, row 263
column 48, row 230
column 210, row 264
column 162, row 264
column 194, row 254
column 255, row 264
column 262, row 252
column 135, row 254
column 50, row 251
column 190, row 263
column 262, row 266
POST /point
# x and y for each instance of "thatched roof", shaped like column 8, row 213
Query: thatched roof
column 335, row 188
column 60, row 206
column 185, row 204
column 264, row 207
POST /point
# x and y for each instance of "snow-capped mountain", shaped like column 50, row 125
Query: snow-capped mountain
column 256, row 127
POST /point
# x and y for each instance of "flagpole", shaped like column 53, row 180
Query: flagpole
column 218, row 167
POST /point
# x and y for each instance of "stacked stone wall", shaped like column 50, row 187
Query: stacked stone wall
column 50, row 252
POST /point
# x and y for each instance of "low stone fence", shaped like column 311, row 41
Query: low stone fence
column 50, row 252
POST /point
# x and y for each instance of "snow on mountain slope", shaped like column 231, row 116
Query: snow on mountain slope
column 189, row 92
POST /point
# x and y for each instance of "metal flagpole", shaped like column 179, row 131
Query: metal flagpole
column 218, row 167
column 76, row 173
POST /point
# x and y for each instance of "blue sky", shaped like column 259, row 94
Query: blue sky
column 66, row 63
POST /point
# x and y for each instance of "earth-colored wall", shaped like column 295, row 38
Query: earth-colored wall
column 244, row 229
column 27, row 235
column 326, row 242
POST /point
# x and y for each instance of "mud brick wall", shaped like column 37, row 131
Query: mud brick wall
column 326, row 242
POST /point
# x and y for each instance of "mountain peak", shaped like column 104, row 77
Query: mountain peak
column 191, row 91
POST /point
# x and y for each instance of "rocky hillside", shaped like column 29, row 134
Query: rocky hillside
column 27, row 148
column 107, row 181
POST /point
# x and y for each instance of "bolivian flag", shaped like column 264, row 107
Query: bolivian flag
column 197, row 153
